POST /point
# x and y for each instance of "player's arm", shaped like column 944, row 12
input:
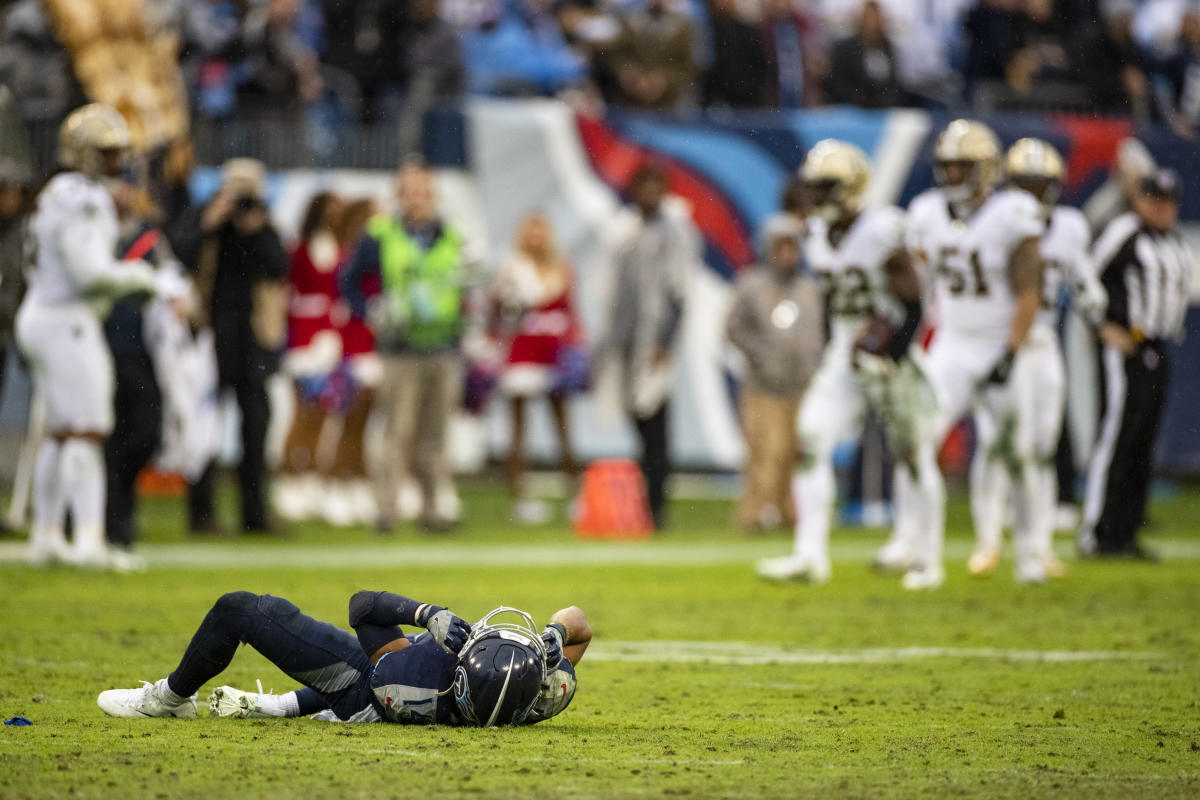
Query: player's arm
column 88, row 254
column 905, row 285
column 1025, row 278
column 376, row 617
column 572, row 625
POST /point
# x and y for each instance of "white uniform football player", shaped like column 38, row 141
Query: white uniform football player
column 73, row 276
column 982, row 246
column 860, row 258
column 1039, row 374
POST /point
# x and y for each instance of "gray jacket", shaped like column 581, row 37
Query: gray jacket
column 779, row 327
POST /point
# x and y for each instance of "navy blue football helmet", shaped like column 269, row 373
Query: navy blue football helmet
column 500, row 670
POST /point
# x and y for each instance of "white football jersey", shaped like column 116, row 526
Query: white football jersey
column 852, row 273
column 1066, row 263
column 74, row 234
column 970, row 258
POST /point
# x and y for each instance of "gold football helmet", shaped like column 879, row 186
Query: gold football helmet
column 94, row 139
column 835, row 176
column 966, row 160
column 1035, row 166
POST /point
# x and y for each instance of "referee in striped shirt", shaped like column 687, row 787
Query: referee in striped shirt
column 1146, row 267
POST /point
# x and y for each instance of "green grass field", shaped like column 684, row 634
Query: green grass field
column 701, row 681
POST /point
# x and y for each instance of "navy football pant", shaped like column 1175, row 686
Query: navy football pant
column 326, row 659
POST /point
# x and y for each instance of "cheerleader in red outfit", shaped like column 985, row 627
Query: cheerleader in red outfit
column 314, row 352
column 364, row 370
column 533, row 292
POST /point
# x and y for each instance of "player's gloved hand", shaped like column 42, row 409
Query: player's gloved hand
column 1002, row 369
column 449, row 631
column 555, row 636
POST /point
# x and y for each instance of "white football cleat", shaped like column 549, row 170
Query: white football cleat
column 145, row 702
column 1066, row 517
column 922, row 578
column 337, row 508
column 1053, row 567
column 226, row 701
column 892, row 557
column 984, row 560
column 790, row 569
column 292, row 496
column 46, row 548
column 125, row 562
column 1031, row 571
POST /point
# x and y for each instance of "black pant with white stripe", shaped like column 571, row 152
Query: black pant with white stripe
column 1135, row 389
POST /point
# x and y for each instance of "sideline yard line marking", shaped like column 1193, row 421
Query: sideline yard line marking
column 239, row 556
column 746, row 653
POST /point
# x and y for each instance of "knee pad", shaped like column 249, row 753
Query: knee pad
column 236, row 601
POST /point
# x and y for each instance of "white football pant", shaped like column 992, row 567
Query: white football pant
column 834, row 408
column 1039, row 391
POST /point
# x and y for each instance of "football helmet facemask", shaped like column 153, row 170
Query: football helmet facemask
column 94, row 139
column 835, row 175
column 966, row 160
column 1035, row 166
column 500, row 671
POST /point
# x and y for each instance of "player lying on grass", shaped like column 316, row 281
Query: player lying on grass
column 456, row 673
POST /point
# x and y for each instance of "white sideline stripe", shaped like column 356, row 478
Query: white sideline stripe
column 672, row 552
column 746, row 653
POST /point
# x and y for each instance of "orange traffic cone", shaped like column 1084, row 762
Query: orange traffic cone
column 612, row 502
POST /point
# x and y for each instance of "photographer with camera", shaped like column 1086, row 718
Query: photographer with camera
column 241, row 271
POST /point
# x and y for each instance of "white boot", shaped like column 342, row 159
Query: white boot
column 152, row 700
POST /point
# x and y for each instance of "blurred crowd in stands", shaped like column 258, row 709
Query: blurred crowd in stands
column 366, row 60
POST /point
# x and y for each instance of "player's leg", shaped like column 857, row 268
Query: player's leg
column 832, row 407
column 917, row 489
column 324, row 658
column 989, row 491
column 1049, row 395
column 35, row 335
column 79, row 386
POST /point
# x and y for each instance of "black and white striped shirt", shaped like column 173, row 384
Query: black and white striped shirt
column 1148, row 276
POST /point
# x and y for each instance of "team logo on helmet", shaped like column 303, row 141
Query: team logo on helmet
column 500, row 670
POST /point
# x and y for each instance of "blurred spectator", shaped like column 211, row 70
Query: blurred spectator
column 1014, row 48
column 1115, row 196
column 738, row 75
column 538, row 322
column 776, row 321
column 15, row 202
column 418, row 324
column 1178, row 75
column 240, row 268
column 137, row 399
column 434, row 70
column 653, row 264
column 1112, row 67
column 862, row 67
column 34, row 65
column 521, row 53
column 652, row 60
column 363, row 39
column 795, row 60
column 280, row 66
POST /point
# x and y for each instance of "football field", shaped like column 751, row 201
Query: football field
column 701, row 681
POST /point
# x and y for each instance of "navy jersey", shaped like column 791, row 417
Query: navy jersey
column 406, row 684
